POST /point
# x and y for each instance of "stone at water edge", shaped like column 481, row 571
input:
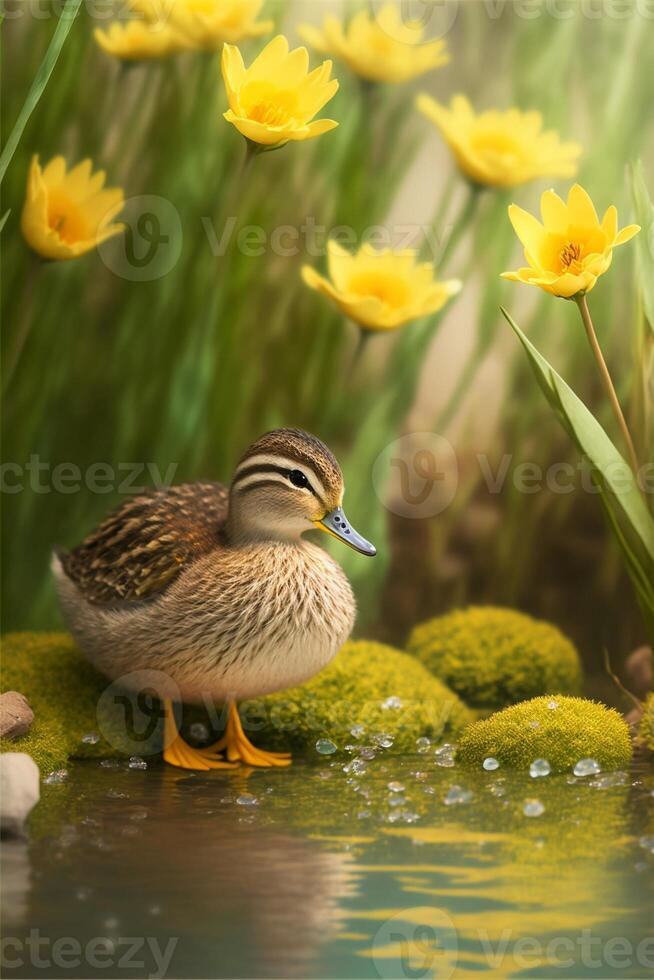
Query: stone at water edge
column 639, row 670
column 19, row 791
column 16, row 716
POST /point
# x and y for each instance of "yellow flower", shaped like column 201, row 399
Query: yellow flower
column 275, row 99
column 379, row 48
column 67, row 213
column 572, row 248
column 500, row 149
column 380, row 290
column 137, row 40
column 207, row 24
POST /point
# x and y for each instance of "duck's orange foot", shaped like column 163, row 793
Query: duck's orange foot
column 179, row 753
column 238, row 747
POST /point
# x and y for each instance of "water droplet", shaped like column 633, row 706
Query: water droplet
column 496, row 789
column 136, row 762
column 457, row 795
column 552, row 705
column 490, row 764
column 325, row 746
column 396, row 787
column 397, row 800
column 444, row 755
column 587, row 767
column 610, row 780
column 647, row 843
column 92, row 738
column 533, row 808
column 367, row 753
column 384, row 740
column 247, row 799
column 356, row 766
column 199, row 731
column 357, row 730
column 56, row 777
column 539, row 767
column 423, row 744
column 391, row 704
column 534, row 723
column 110, row 763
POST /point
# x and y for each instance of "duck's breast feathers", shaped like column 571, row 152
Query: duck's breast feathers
column 142, row 546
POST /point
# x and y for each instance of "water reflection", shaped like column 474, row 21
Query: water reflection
column 316, row 872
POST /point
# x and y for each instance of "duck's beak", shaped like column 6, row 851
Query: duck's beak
column 337, row 524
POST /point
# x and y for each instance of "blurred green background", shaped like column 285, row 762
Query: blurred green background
column 183, row 360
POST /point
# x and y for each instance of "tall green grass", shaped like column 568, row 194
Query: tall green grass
column 187, row 369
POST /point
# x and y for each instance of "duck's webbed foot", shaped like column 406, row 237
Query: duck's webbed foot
column 238, row 747
column 179, row 753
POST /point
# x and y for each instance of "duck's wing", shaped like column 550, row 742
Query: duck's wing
column 143, row 545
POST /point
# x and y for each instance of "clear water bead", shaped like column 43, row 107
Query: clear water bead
column 367, row 753
column 199, row 731
column 396, row 787
column 384, row 740
column 110, row 763
column 56, row 777
column 247, row 799
column 357, row 730
column 325, row 746
column 444, row 755
column 423, row 744
column 392, row 703
column 539, row 767
column 136, row 762
column 552, row 705
column 457, row 795
column 533, row 808
column 490, row 764
column 92, row 738
column 587, row 767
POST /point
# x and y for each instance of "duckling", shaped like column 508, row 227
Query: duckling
column 217, row 589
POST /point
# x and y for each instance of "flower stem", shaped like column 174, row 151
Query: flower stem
column 606, row 379
column 463, row 220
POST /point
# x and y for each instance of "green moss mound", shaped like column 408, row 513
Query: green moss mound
column 561, row 729
column 69, row 701
column 355, row 690
column 493, row 657
column 646, row 727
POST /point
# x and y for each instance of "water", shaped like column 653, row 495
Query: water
column 324, row 877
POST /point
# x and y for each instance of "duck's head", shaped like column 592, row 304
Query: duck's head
column 289, row 482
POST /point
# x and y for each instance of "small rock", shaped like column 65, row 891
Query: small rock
column 16, row 716
column 19, row 791
column 639, row 668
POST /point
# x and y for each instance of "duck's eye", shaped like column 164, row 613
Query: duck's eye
column 298, row 479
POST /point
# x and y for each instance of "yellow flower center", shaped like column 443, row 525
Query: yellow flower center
column 570, row 258
column 497, row 147
column 391, row 290
column 268, row 105
column 66, row 218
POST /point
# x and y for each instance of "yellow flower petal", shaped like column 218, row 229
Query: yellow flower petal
column 67, row 213
column 380, row 289
column 274, row 100
column 568, row 255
